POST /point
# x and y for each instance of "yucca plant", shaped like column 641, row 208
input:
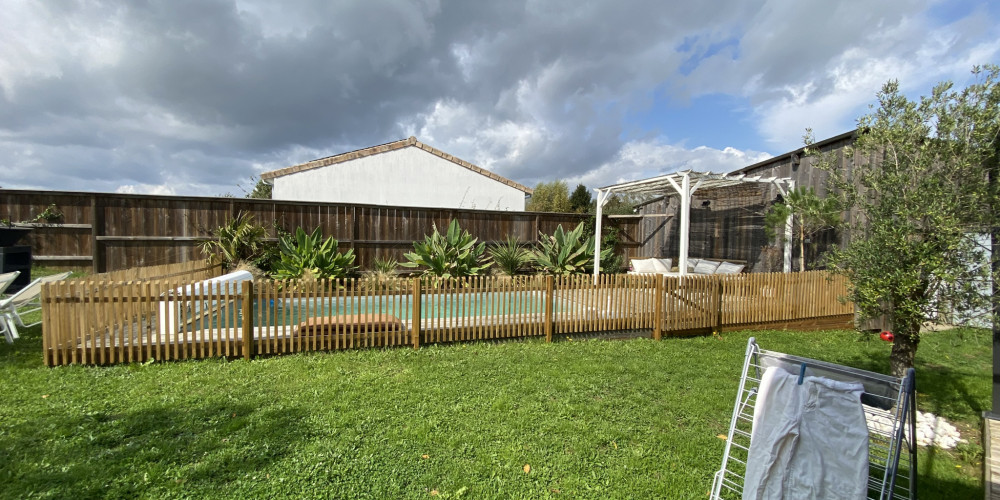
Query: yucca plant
column 386, row 266
column 448, row 255
column 382, row 275
column 308, row 255
column 510, row 255
column 567, row 252
column 240, row 239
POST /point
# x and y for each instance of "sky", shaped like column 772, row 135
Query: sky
column 193, row 97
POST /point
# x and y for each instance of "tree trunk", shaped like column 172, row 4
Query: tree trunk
column 993, row 178
column 802, row 249
column 995, row 320
column 904, row 349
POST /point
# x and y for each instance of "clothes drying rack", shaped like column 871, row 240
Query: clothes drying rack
column 890, row 410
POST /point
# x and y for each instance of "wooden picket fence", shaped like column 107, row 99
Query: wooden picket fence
column 108, row 322
column 194, row 270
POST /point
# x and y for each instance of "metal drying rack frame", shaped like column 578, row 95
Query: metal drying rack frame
column 890, row 410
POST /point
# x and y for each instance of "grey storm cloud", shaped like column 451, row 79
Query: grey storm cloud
column 193, row 97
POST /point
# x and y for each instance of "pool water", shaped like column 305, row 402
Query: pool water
column 294, row 311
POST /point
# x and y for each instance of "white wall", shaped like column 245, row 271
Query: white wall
column 405, row 177
column 979, row 317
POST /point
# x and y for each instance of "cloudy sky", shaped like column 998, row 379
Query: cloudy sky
column 193, row 97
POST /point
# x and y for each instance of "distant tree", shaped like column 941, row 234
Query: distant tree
column 550, row 197
column 621, row 204
column 261, row 190
column 921, row 194
column 810, row 215
column 580, row 201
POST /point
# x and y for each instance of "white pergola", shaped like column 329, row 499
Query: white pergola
column 684, row 184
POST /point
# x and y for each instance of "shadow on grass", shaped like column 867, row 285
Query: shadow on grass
column 25, row 352
column 144, row 452
column 932, row 481
column 943, row 390
column 937, row 488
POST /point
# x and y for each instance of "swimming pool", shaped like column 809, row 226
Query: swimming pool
column 288, row 311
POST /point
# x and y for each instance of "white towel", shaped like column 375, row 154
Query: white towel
column 808, row 441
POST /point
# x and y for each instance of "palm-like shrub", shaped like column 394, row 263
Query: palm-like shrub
column 308, row 255
column 510, row 256
column 567, row 252
column 382, row 275
column 448, row 255
column 240, row 239
column 384, row 267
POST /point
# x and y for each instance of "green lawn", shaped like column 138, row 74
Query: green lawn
column 592, row 419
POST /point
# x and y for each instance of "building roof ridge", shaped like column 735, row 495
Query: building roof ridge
column 385, row 148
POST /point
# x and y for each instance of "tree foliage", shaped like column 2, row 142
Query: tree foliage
column 920, row 191
column 550, row 197
column 810, row 214
column 581, row 200
column 261, row 190
column 621, row 204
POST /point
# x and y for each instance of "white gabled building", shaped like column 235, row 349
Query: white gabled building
column 401, row 173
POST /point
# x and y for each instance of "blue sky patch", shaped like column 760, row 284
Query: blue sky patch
column 713, row 120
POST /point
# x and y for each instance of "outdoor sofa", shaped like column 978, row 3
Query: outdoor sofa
column 694, row 266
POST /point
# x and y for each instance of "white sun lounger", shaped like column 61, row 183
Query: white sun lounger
column 175, row 303
column 6, row 279
column 26, row 300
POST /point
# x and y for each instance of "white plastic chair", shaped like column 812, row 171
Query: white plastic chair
column 26, row 300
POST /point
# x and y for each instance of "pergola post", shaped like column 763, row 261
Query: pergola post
column 685, row 223
column 787, row 260
column 602, row 199
column 685, row 190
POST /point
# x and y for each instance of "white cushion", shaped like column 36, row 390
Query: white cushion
column 666, row 263
column 658, row 265
column 643, row 266
column 692, row 263
column 705, row 267
column 729, row 268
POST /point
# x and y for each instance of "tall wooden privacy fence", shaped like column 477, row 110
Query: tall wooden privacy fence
column 109, row 232
column 103, row 322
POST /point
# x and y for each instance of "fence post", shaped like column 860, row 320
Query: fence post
column 658, row 307
column 247, row 320
column 549, row 298
column 718, row 304
column 47, row 323
column 415, row 314
column 96, row 230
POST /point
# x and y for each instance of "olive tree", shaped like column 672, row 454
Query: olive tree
column 810, row 214
column 919, row 188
